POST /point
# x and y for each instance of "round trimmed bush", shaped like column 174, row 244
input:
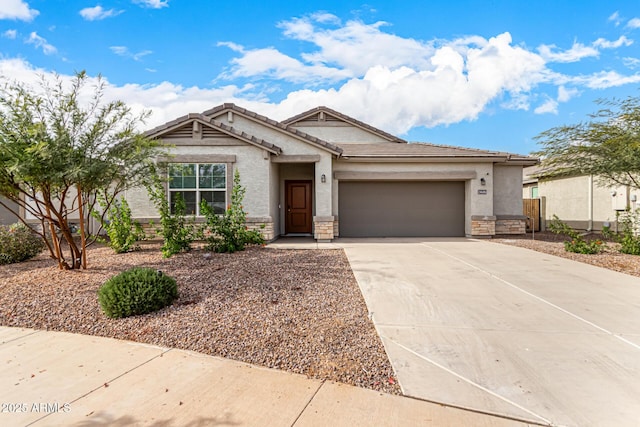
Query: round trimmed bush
column 18, row 243
column 136, row 291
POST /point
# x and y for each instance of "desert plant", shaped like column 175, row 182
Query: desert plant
column 576, row 243
column 228, row 232
column 136, row 291
column 178, row 232
column 18, row 243
column 628, row 224
column 123, row 231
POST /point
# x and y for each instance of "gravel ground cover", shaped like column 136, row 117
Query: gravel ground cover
column 295, row 310
column 552, row 244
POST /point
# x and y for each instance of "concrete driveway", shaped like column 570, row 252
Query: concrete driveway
column 505, row 330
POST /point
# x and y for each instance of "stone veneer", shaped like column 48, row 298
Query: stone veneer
column 263, row 225
column 323, row 227
column 336, row 227
column 151, row 226
column 483, row 226
column 511, row 224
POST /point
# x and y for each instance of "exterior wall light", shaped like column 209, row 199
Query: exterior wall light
column 323, row 178
column 483, row 181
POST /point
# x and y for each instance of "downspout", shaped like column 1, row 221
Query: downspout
column 590, row 203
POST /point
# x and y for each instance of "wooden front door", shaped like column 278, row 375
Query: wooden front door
column 298, row 207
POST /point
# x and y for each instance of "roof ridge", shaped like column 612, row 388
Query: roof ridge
column 292, row 120
column 275, row 123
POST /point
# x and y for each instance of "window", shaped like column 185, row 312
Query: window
column 196, row 182
column 534, row 192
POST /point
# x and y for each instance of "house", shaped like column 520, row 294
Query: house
column 580, row 201
column 6, row 215
column 325, row 174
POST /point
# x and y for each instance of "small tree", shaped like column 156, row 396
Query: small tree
column 59, row 155
column 123, row 231
column 606, row 146
column 228, row 232
column 178, row 232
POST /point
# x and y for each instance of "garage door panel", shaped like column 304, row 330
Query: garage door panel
column 401, row 209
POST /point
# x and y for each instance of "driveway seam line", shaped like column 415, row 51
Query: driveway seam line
column 20, row 337
column 470, row 382
column 307, row 404
column 165, row 351
column 549, row 303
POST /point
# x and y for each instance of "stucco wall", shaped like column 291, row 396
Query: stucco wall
column 274, row 197
column 338, row 133
column 288, row 144
column 569, row 199
column 254, row 176
column 6, row 217
column 507, row 189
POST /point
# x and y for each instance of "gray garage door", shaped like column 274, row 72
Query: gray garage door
column 401, row 209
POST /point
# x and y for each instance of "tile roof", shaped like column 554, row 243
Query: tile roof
column 401, row 149
column 425, row 150
column 229, row 130
column 281, row 126
column 348, row 119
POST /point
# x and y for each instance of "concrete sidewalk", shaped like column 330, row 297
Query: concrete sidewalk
column 55, row 378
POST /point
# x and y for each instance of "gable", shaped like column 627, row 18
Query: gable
column 195, row 132
column 289, row 138
column 196, row 129
column 339, row 128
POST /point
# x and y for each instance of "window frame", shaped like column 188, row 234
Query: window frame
column 197, row 190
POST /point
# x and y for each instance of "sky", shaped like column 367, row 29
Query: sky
column 482, row 74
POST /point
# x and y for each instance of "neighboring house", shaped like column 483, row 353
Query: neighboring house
column 6, row 216
column 325, row 174
column 580, row 201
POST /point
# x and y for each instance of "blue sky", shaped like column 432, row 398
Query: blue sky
column 484, row 74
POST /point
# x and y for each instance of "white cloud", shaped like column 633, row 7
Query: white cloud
column 41, row 42
column 153, row 4
column 550, row 106
column 386, row 80
column 166, row 100
column 631, row 62
column 10, row 34
column 124, row 51
column 565, row 94
column 97, row 13
column 604, row 80
column 577, row 52
column 615, row 18
column 634, row 23
column 356, row 46
column 274, row 64
column 17, row 9
column 606, row 44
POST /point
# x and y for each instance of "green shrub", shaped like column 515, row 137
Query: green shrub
column 136, row 291
column 18, row 243
column 577, row 244
column 580, row 246
column 122, row 230
column 228, row 232
column 628, row 238
column 177, row 232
